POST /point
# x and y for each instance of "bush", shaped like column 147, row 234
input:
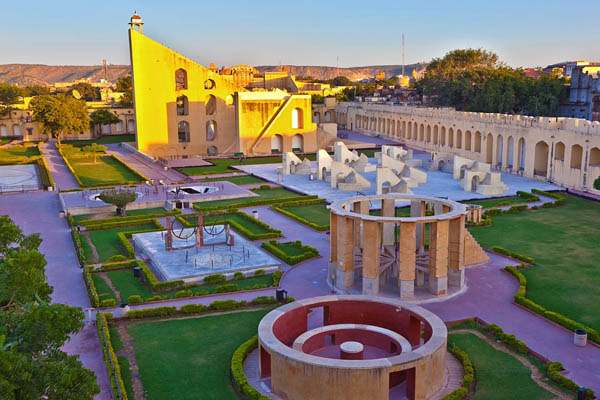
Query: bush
column 277, row 277
column 183, row 293
column 215, row 279
column 238, row 276
column 155, row 284
column 110, row 358
column 91, row 287
column 152, row 312
column 156, row 297
column 511, row 254
column 237, row 369
column 259, row 272
column 116, row 258
column 108, row 303
column 509, row 340
column 553, row 370
column 264, row 300
column 230, row 287
column 226, row 305
column 468, row 376
column 193, row 309
column 276, row 249
column 250, row 202
column 135, row 299
column 281, row 208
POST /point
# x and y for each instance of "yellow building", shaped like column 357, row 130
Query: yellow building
column 185, row 109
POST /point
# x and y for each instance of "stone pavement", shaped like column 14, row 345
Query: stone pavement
column 59, row 170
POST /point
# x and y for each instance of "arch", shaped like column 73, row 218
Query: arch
column 181, row 82
column 386, row 187
column 468, row 140
column 209, row 84
column 183, row 132
column 540, row 160
column 404, row 129
column 211, row 104
column 450, row 137
column 443, row 136
column 477, row 142
column 119, row 126
column 297, row 118
column 327, row 116
column 500, row 150
column 3, row 130
column 576, row 156
column 458, row 139
column 212, row 150
column 421, row 133
column 130, row 125
column 521, row 153
column 276, row 143
column 463, row 169
column 298, row 143
column 441, row 165
column 489, row 148
column 436, row 135
column 510, row 152
column 17, row 130
column 428, row 136
column 182, row 105
column 595, row 157
column 211, row 130
column 474, row 183
column 317, row 119
column 559, row 151
column 409, row 132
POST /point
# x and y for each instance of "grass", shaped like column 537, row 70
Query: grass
column 317, row 213
column 105, row 172
column 499, row 202
column 564, row 243
column 127, row 285
column 264, row 195
column 130, row 213
column 104, row 291
column 248, row 222
column 18, row 153
column 189, row 358
column 499, row 375
column 224, row 165
column 107, row 244
column 102, row 140
column 238, row 180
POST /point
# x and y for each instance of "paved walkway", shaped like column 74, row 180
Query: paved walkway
column 145, row 167
column 59, row 170
column 38, row 212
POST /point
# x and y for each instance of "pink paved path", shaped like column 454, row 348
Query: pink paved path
column 59, row 170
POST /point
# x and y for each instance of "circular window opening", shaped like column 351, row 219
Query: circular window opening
column 209, row 84
column 212, row 150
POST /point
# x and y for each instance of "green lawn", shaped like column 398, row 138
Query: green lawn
column 499, row 202
column 105, row 172
column 104, row 291
column 18, row 153
column 189, row 358
column 157, row 211
column 265, row 195
column 107, row 243
column 499, row 376
column 103, row 140
column 223, row 165
column 290, row 252
column 238, row 180
column 316, row 213
column 564, row 243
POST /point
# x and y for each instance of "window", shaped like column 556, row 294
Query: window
column 181, row 79
column 182, row 105
column 211, row 104
column 211, row 130
column 183, row 132
column 297, row 121
column 209, row 84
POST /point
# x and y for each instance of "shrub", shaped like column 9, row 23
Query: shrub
column 282, row 208
column 108, row 303
column 259, row 272
column 183, row 293
column 238, row 276
column 277, row 277
column 263, row 300
column 468, row 376
column 135, row 299
column 91, row 287
column 117, row 257
column 215, row 279
column 225, row 305
column 193, row 309
column 110, row 358
column 230, row 287
column 237, row 370
column 156, row 297
column 511, row 254
column 553, row 370
column 277, row 250
column 155, row 284
column 152, row 312
column 264, row 187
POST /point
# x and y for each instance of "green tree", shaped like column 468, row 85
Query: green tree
column 9, row 94
column 341, row 81
column 102, row 117
column 32, row 331
column 60, row 114
column 87, row 91
column 118, row 198
column 125, row 85
column 94, row 149
column 35, row 90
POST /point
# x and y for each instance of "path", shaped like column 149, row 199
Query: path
column 128, row 352
column 536, row 374
column 60, row 172
column 150, row 170
column 38, row 212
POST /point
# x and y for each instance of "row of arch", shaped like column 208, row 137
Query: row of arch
column 183, row 105
column 183, row 131
column 277, row 143
column 327, row 117
column 181, row 81
column 15, row 131
column 545, row 153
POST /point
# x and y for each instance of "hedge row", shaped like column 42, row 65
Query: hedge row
column 128, row 219
column 281, row 208
column 78, row 247
column 70, row 167
column 250, row 202
column 521, row 298
column 468, row 374
column 222, row 217
column 116, row 157
column 96, row 225
column 240, row 380
column 274, row 248
column 553, row 370
column 217, row 305
column 510, row 341
column 155, row 284
column 45, row 175
column 530, row 197
column 512, row 254
column 91, row 287
column 110, row 358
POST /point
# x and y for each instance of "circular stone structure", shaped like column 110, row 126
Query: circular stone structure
column 429, row 248
column 352, row 347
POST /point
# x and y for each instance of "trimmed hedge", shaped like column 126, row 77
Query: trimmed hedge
column 45, row 175
column 251, row 202
column 238, row 376
column 78, row 247
column 468, row 377
column 91, row 287
column 155, row 284
column 223, row 217
column 521, row 298
column 274, row 248
column 110, row 358
column 281, row 208
column 553, row 370
column 109, row 223
column 511, row 254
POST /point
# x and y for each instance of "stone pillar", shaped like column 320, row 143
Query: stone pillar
column 388, row 209
column 361, row 207
column 200, row 231
column 169, row 234
column 417, row 209
column 333, row 245
column 407, row 259
column 456, row 243
column 344, row 278
column 371, row 255
column 438, row 257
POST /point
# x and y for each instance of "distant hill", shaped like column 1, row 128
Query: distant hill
column 39, row 74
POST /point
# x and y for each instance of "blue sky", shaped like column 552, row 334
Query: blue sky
column 311, row 32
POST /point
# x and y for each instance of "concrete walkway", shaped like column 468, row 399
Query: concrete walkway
column 38, row 213
column 59, row 170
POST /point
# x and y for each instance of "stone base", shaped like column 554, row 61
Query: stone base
column 438, row 286
column 420, row 278
column 407, row 289
column 344, row 279
column 456, row 278
column 370, row 286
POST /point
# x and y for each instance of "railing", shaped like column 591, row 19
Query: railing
column 18, row 188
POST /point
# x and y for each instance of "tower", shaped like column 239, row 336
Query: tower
column 135, row 22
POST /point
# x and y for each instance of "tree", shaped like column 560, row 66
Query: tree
column 102, row 117
column 597, row 183
column 341, row 81
column 118, row 198
column 60, row 114
column 35, row 90
column 94, row 148
column 32, row 331
column 125, row 85
column 9, row 94
column 87, row 91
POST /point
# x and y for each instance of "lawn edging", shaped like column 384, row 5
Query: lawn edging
column 272, row 232
column 281, row 208
column 468, row 374
column 239, row 378
column 274, row 248
column 521, row 299
column 110, row 357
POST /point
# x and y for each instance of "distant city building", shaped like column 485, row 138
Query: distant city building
column 584, row 94
column 380, row 76
column 566, row 68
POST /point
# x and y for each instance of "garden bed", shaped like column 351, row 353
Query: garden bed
column 290, row 252
column 312, row 213
column 266, row 195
